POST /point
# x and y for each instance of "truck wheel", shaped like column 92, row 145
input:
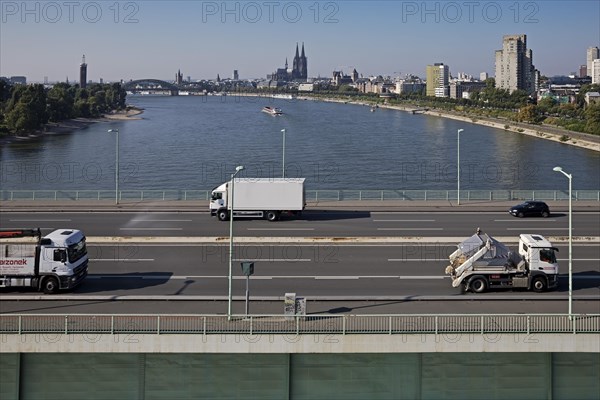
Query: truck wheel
column 478, row 285
column 545, row 214
column 272, row 216
column 50, row 285
column 223, row 215
column 539, row 284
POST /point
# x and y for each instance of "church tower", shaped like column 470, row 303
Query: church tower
column 300, row 65
column 303, row 67
column 296, row 65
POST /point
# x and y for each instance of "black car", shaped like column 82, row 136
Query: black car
column 530, row 208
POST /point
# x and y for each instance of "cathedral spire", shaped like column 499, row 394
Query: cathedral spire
column 303, row 56
column 297, row 55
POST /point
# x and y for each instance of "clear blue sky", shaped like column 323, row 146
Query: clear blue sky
column 153, row 39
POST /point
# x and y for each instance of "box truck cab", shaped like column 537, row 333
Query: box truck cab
column 57, row 261
column 258, row 197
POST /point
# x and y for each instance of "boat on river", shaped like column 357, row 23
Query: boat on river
column 272, row 110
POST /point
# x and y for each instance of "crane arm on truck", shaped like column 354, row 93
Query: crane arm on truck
column 469, row 263
column 460, row 261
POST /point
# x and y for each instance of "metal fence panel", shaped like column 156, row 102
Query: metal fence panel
column 312, row 324
column 311, row 195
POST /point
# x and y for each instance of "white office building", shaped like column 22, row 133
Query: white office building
column 592, row 54
column 596, row 71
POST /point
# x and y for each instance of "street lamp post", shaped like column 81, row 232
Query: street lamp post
column 570, row 176
column 237, row 169
column 458, row 166
column 116, row 166
column 283, row 161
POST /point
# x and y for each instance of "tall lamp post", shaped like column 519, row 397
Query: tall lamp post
column 116, row 131
column 237, row 169
column 570, row 176
column 283, row 161
column 458, row 166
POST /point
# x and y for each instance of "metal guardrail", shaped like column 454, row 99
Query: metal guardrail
column 296, row 325
column 311, row 195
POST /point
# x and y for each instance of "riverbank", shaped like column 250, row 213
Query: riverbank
column 578, row 139
column 539, row 131
column 74, row 124
column 131, row 113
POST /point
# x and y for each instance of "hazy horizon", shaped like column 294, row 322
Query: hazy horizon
column 154, row 39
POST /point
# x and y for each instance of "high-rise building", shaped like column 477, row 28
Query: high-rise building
column 236, row 76
column 583, row 71
column 592, row 54
column 438, row 77
column 596, row 71
column 483, row 76
column 83, row 73
column 514, row 65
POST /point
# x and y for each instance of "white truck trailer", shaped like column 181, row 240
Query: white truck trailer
column 258, row 197
column 56, row 261
column 481, row 262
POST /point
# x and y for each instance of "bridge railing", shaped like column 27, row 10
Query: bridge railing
column 311, row 195
column 296, row 325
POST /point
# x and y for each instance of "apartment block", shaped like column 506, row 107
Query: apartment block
column 514, row 65
column 438, row 77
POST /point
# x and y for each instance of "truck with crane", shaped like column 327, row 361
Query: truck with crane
column 482, row 262
column 57, row 261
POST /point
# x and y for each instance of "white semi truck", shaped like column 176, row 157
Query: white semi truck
column 56, row 261
column 258, row 197
column 481, row 263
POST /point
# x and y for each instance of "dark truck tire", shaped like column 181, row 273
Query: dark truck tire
column 539, row 284
column 272, row 215
column 478, row 284
column 50, row 285
column 223, row 215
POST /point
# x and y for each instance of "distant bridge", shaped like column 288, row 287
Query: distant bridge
column 151, row 86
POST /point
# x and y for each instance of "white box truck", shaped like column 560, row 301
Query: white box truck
column 481, row 262
column 56, row 261
column 258, row 197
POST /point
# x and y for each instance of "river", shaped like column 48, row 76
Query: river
column 195, row 142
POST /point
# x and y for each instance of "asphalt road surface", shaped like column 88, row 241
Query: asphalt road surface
column 387, row 276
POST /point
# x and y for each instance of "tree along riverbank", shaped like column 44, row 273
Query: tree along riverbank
column 28, row 109
column 74, row 124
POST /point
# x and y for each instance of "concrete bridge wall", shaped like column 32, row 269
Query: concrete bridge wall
column 306, row 376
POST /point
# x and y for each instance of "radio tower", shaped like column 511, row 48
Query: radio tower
column 83, row 73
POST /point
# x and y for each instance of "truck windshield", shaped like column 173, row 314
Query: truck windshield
column 547, row 255
column 76, row 251
column 217, row 196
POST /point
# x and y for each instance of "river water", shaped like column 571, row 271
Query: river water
column 195, row 143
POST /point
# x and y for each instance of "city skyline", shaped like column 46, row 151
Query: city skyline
column 155, row 39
